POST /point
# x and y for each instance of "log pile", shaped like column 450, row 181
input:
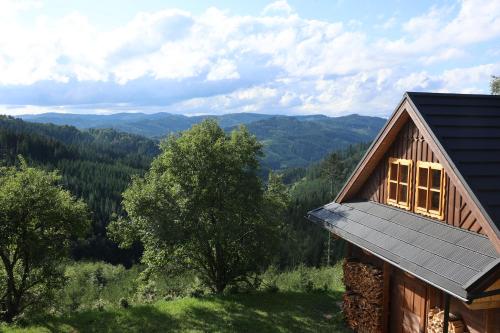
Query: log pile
column 363, row 300
column 435, row 322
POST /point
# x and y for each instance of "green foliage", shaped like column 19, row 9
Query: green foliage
column 289, row 141
column 259, row 312
column 303, row 242
column 297, row 142
column 304, row 279
column 37, row 220
column 495, row 85
column 201, row 207
column 91, row 285
column 95, row 165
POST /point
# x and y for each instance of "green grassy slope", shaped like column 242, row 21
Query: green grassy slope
column 256, row 312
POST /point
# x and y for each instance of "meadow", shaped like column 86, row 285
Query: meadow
column 99, row 297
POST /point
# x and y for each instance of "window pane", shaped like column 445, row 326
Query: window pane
column 422, row 176
column 435, row 196
column 392, row 190
column 403, row 170
column 436, row 179
column 422, row 198
column 394, row 171
column 403, row 194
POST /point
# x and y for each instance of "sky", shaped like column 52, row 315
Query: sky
column 333, row 57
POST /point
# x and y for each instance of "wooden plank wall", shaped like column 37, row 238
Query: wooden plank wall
column 477, row 321
column 411, row 145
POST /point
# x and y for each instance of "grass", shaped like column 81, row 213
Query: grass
column 253, row 312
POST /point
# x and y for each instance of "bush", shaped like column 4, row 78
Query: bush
column 304, row 279
column 90, row 284
column 272, row 288
column 123, row 303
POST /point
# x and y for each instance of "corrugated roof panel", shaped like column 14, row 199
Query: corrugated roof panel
column 478, row 244
column 379, row 211
column 443, row 231
column 414, row 223
column 434, row 253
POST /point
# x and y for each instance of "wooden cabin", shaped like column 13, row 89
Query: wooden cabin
column 421, row 216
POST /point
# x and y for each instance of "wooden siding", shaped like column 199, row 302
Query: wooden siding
column 476, row 321
column 410, row 144
column 408, row 303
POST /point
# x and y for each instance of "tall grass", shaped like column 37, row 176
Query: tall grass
column 304, row 279
column 99, row 286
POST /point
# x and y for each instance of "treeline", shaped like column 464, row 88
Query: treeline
column 95, row 165
column 304, row 242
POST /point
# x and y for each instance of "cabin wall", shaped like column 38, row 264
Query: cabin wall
column 410, row 144
column 406, row 296
column 477, row 321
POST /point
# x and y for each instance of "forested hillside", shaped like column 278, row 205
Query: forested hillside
column 311, row 187
column 175, row 212
column 154, row 125
column 299, row 141
column 95, row 165
column 289, row 141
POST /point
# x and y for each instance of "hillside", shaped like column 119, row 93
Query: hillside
column 299, row 141
column 155, row 125
column 289, row 141
column 96, row 165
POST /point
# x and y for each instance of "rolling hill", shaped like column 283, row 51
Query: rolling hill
column 289, row 141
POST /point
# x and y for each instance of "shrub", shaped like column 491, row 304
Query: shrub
column 304, row 279
column 87, row 282
column 123, row 303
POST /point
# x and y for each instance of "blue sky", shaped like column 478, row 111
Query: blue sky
column 213, row 57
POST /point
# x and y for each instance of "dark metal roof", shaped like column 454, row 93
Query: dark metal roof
column 468, row 128
column 447, row 257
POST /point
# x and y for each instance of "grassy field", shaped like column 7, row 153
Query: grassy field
column 254, row 312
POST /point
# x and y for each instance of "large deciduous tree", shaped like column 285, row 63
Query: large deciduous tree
column 37, row 220
column 203, row 207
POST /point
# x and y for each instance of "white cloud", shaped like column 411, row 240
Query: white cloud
column 277, row 7
column 223, row 70
column 219, row 62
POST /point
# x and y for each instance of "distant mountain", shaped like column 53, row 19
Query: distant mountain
column 298, row 141
column 289, row 141
column 154, row 125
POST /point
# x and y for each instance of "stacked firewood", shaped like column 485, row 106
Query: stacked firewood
column 435, row 322
column 363, row 300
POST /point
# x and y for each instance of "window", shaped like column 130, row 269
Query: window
column 399, row 183
column 430, row 189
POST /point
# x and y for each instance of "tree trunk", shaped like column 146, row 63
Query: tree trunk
column 220, row 269
column 11, row 299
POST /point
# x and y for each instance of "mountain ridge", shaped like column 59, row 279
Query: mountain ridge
column 289, row 141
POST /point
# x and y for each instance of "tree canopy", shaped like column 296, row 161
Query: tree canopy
column 203, row 207
column 37, row 222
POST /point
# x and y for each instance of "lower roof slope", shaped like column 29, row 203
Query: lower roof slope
column 447, row 257
column 468, row 128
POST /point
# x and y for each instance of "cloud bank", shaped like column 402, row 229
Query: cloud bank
column 218, row 62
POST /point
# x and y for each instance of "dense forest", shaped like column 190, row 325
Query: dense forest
column 289, row 141
column 193, row 215
column 97, row 165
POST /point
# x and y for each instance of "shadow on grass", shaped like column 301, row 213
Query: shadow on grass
column 261, row 312
column 255, row 312
column 144, row 318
